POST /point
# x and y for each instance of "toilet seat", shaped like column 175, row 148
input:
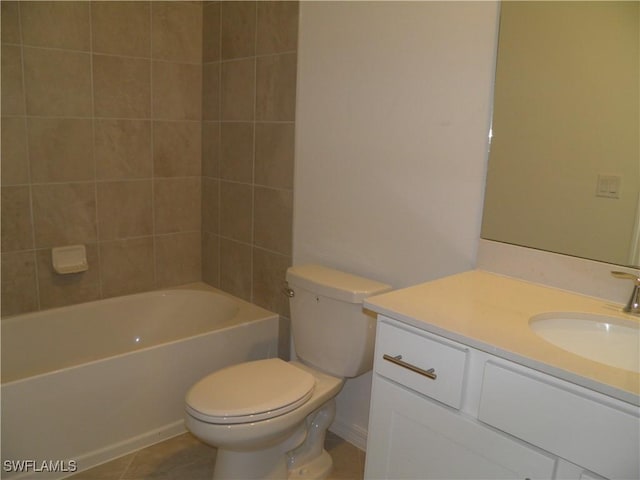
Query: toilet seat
column 250, row 392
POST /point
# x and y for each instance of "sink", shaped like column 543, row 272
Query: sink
column 609, row 340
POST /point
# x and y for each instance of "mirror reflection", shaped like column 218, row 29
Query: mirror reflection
column 564, row 165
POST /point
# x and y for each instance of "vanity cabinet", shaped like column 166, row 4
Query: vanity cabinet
column 483, row 417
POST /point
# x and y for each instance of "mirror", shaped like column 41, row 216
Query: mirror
column 564, row 163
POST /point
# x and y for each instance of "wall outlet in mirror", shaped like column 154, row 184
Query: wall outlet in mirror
column 608, row 186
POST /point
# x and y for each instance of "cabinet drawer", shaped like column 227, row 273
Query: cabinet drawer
column 562, row 419
column 419, row 352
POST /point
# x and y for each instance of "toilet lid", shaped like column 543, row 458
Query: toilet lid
column 249, row 392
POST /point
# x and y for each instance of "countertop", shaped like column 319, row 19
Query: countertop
column 491, row 312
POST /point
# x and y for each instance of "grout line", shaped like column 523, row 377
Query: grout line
column 123, row 475
column 108, row 180
column 219, row 146
column 253, row 152
column 104, row 54
column 27, row 151
column 150, row 57
column 255, row 55
column 93, row 157
column 147, row 119
column 131, row 119
column 152, row 153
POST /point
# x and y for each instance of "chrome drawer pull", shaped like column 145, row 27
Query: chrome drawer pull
column 398, row 361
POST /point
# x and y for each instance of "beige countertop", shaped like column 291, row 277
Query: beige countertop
column 491, row 313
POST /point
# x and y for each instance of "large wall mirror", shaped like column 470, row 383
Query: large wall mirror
column 564, row 164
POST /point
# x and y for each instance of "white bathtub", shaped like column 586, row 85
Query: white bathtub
column 87, row 383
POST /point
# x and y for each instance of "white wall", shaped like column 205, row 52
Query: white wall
column 393, row 112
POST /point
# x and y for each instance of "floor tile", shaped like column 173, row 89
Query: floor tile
column 186, row 458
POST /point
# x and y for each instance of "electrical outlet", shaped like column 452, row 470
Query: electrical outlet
column 608, row 186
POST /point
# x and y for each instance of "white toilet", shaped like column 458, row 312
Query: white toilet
column 268, row 418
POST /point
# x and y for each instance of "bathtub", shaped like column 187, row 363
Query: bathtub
column 84, row 384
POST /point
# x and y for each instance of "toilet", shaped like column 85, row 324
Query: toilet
column 268, row 418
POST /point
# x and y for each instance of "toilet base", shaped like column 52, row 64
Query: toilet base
column 263, row 464
column 317, row 469
column 299, row 456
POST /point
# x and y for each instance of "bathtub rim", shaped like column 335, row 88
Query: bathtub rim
column 247, row 314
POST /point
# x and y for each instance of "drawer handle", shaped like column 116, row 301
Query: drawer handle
column 398, row 361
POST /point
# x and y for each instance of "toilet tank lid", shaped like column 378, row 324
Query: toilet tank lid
column 333, row 283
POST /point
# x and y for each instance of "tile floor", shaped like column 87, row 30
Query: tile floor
column 186, row 458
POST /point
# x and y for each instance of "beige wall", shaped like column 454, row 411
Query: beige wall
column 103, row 144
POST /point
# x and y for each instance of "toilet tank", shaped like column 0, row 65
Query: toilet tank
column 330, row 329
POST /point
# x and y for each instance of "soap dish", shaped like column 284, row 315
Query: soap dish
column 71, row 259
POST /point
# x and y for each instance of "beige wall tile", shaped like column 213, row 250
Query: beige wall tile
column 269, row 271
column 121, row 87
column 57, row 82
column 60, row 149
column 124, row 209
column 211, row 259
column 177, row 149
column 121, row 28
column 273, row 215
column 127, row 266
column 16, row 229
column 19, row 287
column 177, row 31
column 235, row 268
column 177, row 204
column 59, row 290
column 178, row 258
column 276, row 87
column 122, row 149
column 210, row 149
column 284, row 343
column 236, row 211
column 13, row 144
column 62, row 24
column 64, row 214
column 236, row 152
column 177, row 91
column 238, row 23
column 12, row 88
column 274, row 159
column 210, row 202
column 211, row 91
column 10, row 19
column 277, row 27
column 238, row 90
column 211, row 32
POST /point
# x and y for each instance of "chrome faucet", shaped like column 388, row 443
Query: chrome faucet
column 633, row 306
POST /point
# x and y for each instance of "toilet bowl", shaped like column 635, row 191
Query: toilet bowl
column 268, row 418
column 255, row 414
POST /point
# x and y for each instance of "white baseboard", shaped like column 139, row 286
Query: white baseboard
column 354, row 434
column 111, row 452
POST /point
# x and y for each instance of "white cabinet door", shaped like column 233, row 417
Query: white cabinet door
column 579, row 426
column 411, row 437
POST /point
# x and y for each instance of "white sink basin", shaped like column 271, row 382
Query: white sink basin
column 609, row 340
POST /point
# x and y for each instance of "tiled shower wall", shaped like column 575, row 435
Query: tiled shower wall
column 110, row 138
column 249, row 88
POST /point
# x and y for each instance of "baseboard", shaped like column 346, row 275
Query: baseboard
column 111, row 452
column 354, row 434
